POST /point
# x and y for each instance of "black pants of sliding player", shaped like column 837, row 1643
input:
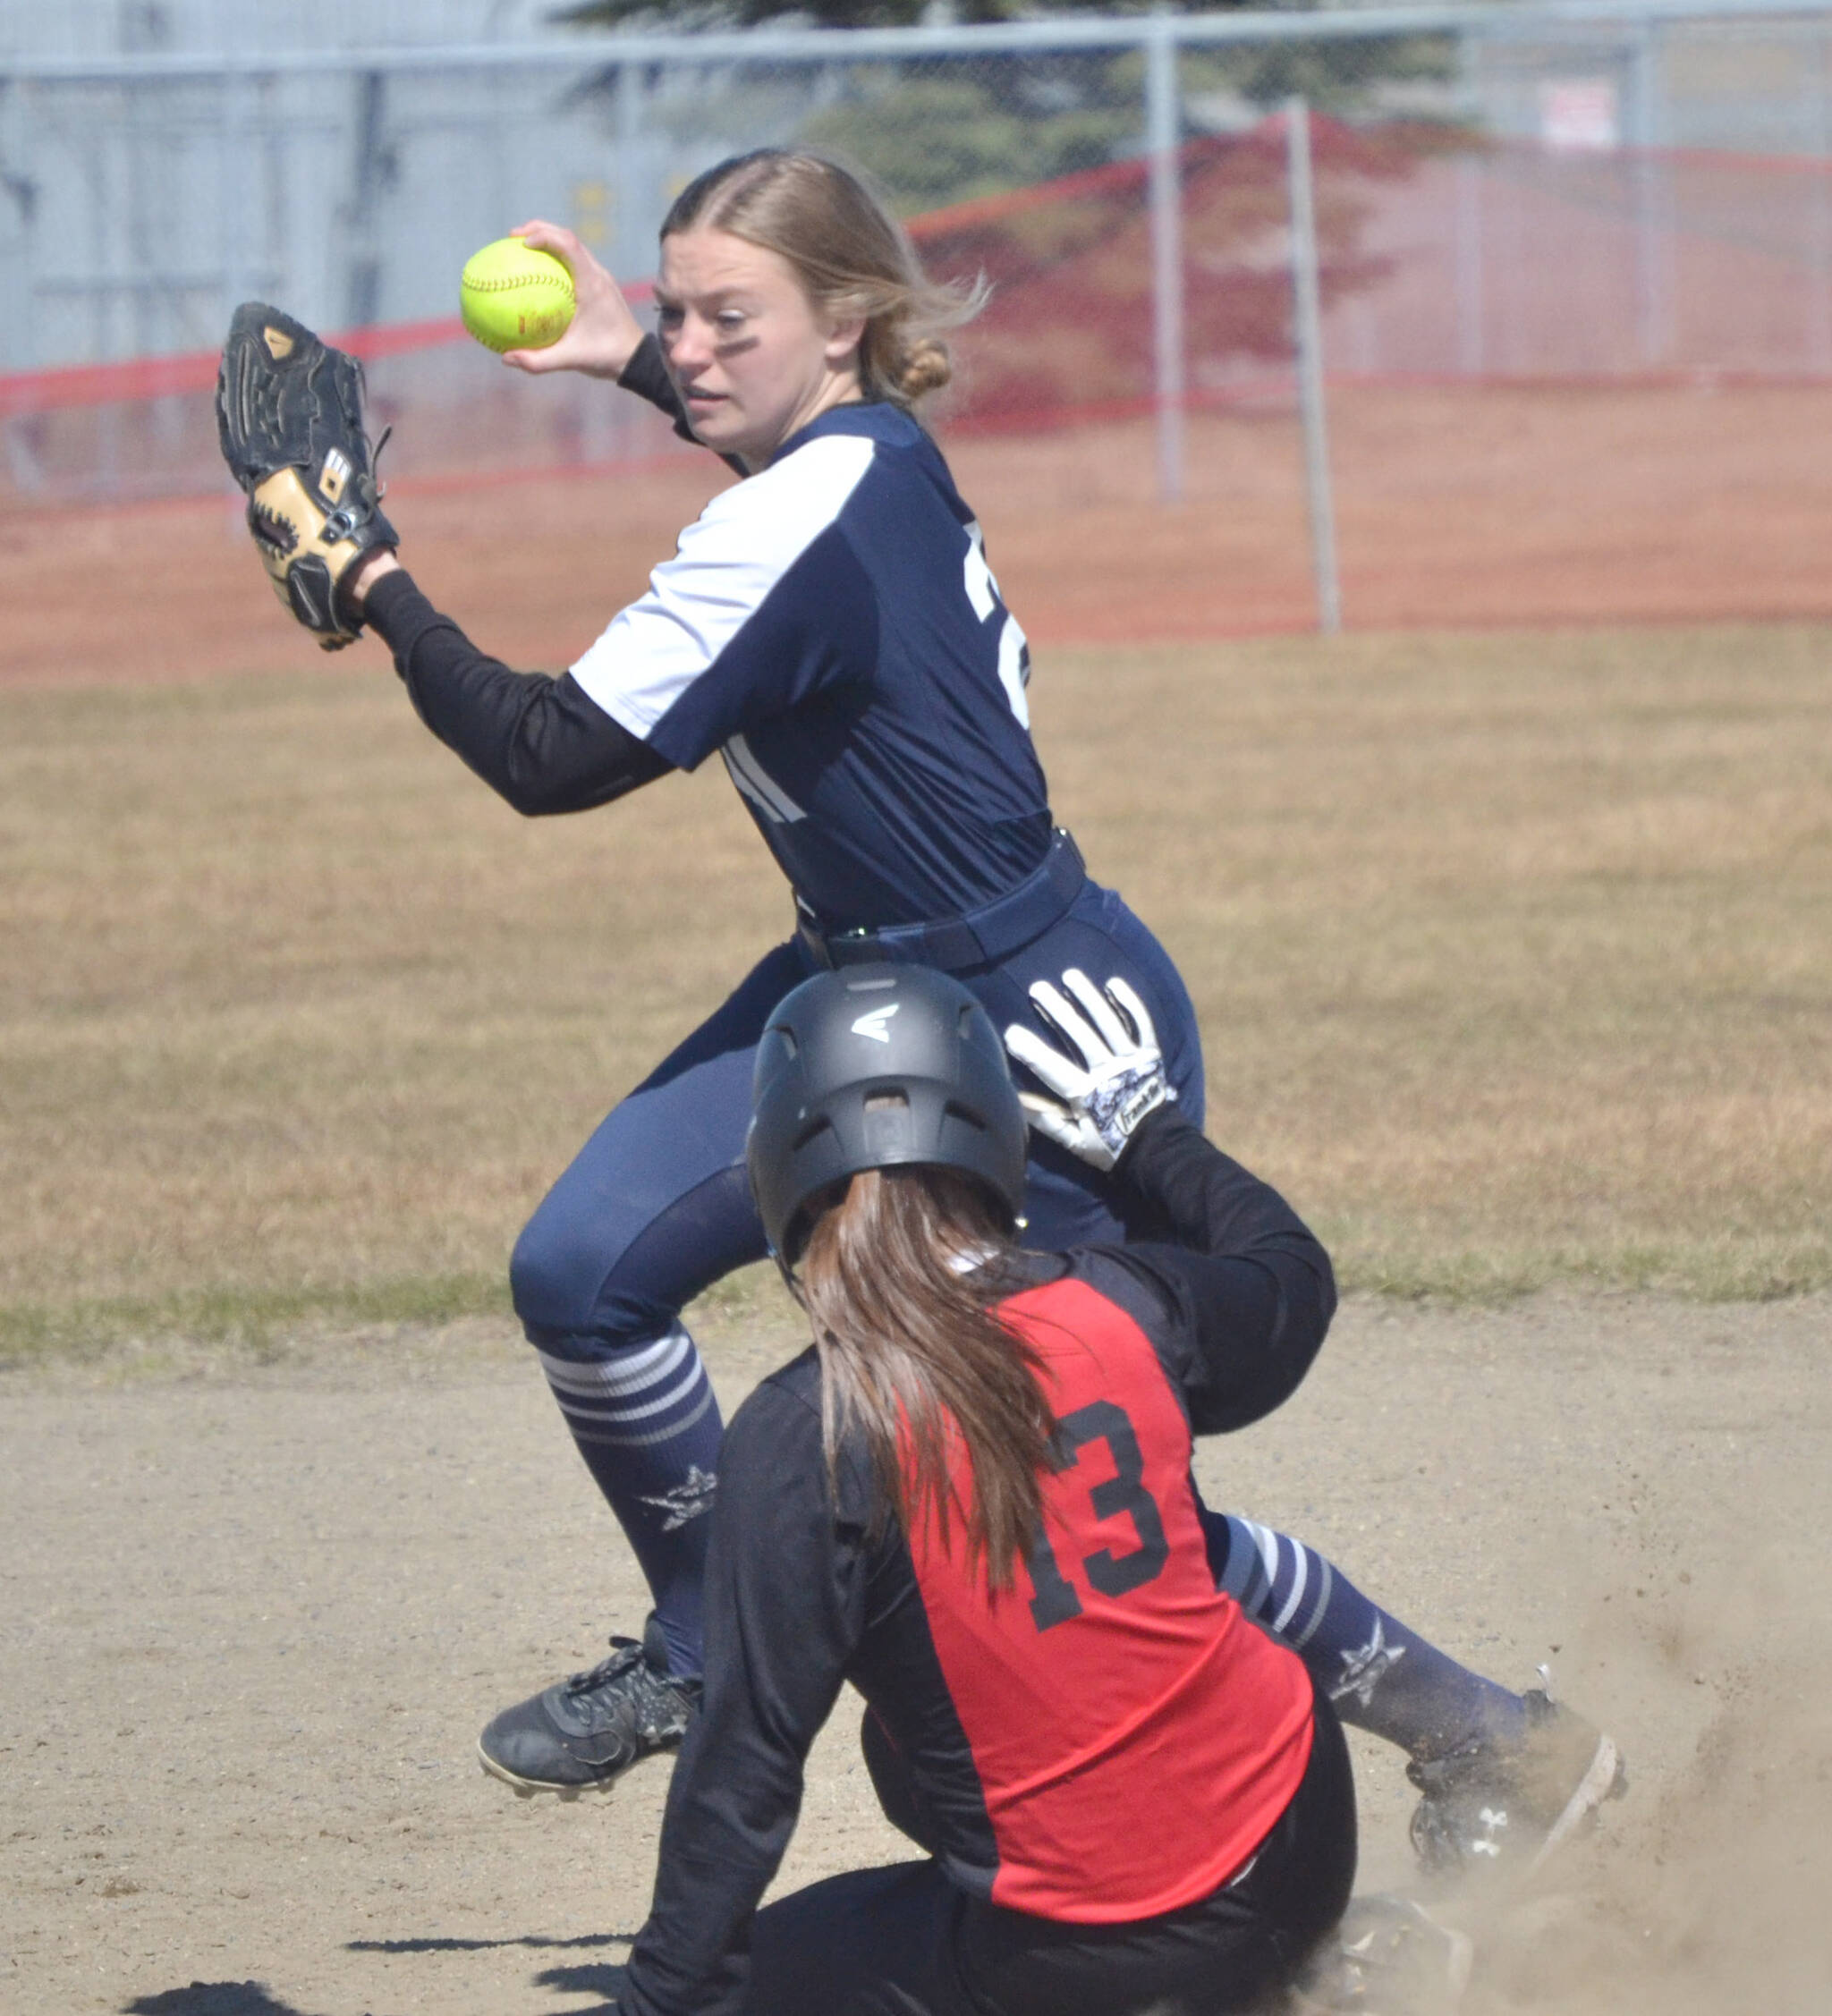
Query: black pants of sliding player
column 904, row 1941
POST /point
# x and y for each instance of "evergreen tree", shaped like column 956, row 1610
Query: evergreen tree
column 938, row 130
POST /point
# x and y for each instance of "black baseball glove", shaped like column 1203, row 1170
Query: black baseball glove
column 289, row 415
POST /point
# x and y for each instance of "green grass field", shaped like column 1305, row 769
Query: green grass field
column 1513, row 956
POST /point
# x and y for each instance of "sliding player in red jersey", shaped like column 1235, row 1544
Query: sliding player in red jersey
column 972, row 1499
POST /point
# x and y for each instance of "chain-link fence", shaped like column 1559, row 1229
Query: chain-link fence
column 1504, row 195
column 143, row 194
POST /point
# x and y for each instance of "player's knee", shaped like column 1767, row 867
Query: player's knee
column 568, row 1282
column 555, row 1274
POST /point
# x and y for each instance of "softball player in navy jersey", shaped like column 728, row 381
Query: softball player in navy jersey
column 829, row 628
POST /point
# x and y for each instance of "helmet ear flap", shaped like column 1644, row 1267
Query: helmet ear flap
column 773, row 1246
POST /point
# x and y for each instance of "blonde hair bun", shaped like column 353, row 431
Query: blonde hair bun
column 924, row 366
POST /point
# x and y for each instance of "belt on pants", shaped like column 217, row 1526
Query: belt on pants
column 981, row 937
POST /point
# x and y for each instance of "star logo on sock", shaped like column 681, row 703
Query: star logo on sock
column 687, row 1500
column 1363, row 1670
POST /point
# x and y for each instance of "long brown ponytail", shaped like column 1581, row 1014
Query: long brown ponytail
column 911, row 1355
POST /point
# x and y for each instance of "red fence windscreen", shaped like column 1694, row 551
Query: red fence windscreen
column 1563, row 387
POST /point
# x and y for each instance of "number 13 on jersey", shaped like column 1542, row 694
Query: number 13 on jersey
column 1124, row 1492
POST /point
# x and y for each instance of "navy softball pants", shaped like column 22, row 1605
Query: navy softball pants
column 902, row 1940
column 655, row 1207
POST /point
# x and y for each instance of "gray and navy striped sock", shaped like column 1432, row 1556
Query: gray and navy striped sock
column 648, row 1425
column 1380, row 1675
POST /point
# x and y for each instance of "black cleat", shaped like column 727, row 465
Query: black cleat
column 1486, row 1806
column 585, row 1733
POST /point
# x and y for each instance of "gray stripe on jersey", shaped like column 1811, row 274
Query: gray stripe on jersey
column 756, row 784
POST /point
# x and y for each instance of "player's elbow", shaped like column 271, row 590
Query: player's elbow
column 1307, row 1291
column 535, row 797
column 539, row 793
column 1303, row 1286
column 1322, row 1290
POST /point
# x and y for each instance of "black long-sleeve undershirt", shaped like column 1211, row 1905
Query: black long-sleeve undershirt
column 1250, row 1282
column 542, row 742
column 647, row 375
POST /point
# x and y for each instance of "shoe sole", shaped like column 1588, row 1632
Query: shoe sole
column 1436, row 1983
column 531, row 1788
column 1605, row 1779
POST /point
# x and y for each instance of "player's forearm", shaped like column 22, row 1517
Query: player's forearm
column 1211, row 1202
column 692, row 1956
column 542, row 742
column 647, row 375
column 1260, row 1285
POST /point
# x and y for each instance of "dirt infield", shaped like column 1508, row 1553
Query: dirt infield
column 1457, row 507
column 254, row 1615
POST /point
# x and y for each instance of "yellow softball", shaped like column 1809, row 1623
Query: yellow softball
column 512, row 297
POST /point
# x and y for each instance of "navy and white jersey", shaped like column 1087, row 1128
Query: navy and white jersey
column 831, row 628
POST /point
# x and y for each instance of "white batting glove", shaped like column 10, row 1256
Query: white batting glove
column 1120, row 1078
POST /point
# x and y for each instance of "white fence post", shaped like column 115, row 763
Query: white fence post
column 1819, row 215
column 1308, row 329
column 1653, row 209
column 23, row 347
column 362, row 300
column 1471, row 316
column 1163, row 138
column 631, row 252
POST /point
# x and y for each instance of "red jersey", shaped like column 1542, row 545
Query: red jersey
column 1136, row 1736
